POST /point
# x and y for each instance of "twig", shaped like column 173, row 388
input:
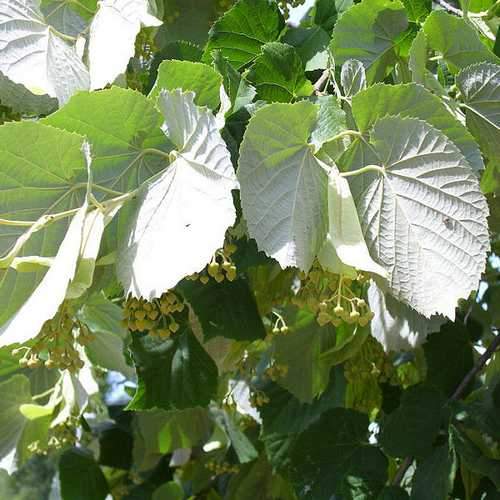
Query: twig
column 459, row 392
column 318, row 86
column 450, row 8
column 476, row 368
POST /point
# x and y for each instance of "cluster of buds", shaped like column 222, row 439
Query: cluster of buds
column 222, row 468
column 56, row 344
column 60, row 436
column 157, row 317
column 258, row 399
column 220, row 268
column 334, row 298
column 276, row 371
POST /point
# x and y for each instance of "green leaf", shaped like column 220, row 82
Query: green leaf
column 411, row 429
column 21, row 100
column 240, row 92
column 300, row 351
column 227, row 309
column 15, row 392
column 243, row 447
column 474, row 458
column 353, row 77
column 240, row 33
column 170, row 491
column 43, row 171
column 414, row 101
column 311, row 44
column 459, row 52
column 368, row 32
column 421, row 239
column 33, row 55
column 257, row 480
column 103, row 318
column 174, row 374
column 285, row 414
column 278, row 74
column 283, row 186
column 120, row 124
column 195, row 77
column 490, row 180
column 435, row 473
column 167, row 225
column 327, row 12
column 480, row 88
column 452, row 342
column 332, row 458
column 331, row 121
column 417, row 10
column 81, row 477
column 112, row 38
column 417, row 59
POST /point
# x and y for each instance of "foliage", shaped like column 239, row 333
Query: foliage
column 245, row 257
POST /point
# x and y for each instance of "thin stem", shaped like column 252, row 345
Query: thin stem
column 363, row 170
column 476, row 368
column 43, row 394
column 459, row 392
column 19, row 223
column 320, row 84
column 346, row 133
column 157, row 152
column 62, row 35
column 449, row 7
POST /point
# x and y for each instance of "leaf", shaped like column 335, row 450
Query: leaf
column 81, row 477
column 452, row 342
column 175, row 374
column 182, row 216
column 240, row 92
column 332, row 458
column 170, row 490
column 65, row 16
column 411, row 429
column 414, row 101
column 283, row 186
column 32, row 54
column 417, row 60
column 418, row 10
column 353, row 77
column 331, row 122
column 490, row 181
column 368, row 32
column 240, row 33
column 45, row 300
column 300, row 352
column 103, row 318
column 344, row 235
column 21, row 100
column 278, row 74
column 472, row 456
column 459, row 52
column 422, row 228
column 480, row 88
column 120, row 124
column 327, row 12
column 15, row 392
column 227, row 309
column 393, row 493
column 311, row 44
column 189, row 76
column 112, row 38
column 435, row 473
column 397, row 326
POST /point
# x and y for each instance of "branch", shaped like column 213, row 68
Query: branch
column 450, row 8
column 459, row 392
column 318, row 86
